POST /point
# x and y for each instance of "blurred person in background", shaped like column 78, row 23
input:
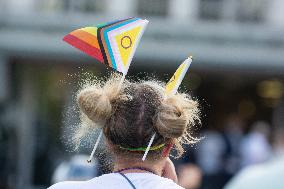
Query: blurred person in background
column 210, row 151
column 218, row 154
column 190, row 176
column 255, row 147
column 75, row 169
column 265, row 175
column 209, row 156
column 233, row 135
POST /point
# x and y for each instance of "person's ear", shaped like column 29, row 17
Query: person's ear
column 167, row 150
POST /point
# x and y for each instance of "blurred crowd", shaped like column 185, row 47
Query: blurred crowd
column 222, row 156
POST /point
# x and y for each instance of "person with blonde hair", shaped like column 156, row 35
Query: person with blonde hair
column 129, row 114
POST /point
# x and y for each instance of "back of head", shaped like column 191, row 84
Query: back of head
column 130, row 114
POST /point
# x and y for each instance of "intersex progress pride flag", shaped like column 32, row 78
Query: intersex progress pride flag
column 113, row 44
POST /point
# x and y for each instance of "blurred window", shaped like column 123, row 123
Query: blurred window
column 153, row 7
column 251, row 10
column 2, row 5
column 211, row 9
column 93, row 6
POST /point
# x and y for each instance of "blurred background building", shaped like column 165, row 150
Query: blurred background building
column 237, row 75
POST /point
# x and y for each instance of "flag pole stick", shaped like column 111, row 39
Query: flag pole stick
column 95, row 147
column 101, row 132
column 148, row 147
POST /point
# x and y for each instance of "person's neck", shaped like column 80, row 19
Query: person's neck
column 133, row 166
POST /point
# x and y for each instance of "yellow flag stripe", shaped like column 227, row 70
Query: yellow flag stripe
column 90, row 30
column 178, row 76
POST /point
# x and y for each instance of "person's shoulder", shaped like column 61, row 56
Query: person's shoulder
column 172, row 186
column 165, row 183
column 86, row 184
column 67, row 185
column 169, row 184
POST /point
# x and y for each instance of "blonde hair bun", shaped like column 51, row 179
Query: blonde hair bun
column 96, row 101
column 175, row 116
